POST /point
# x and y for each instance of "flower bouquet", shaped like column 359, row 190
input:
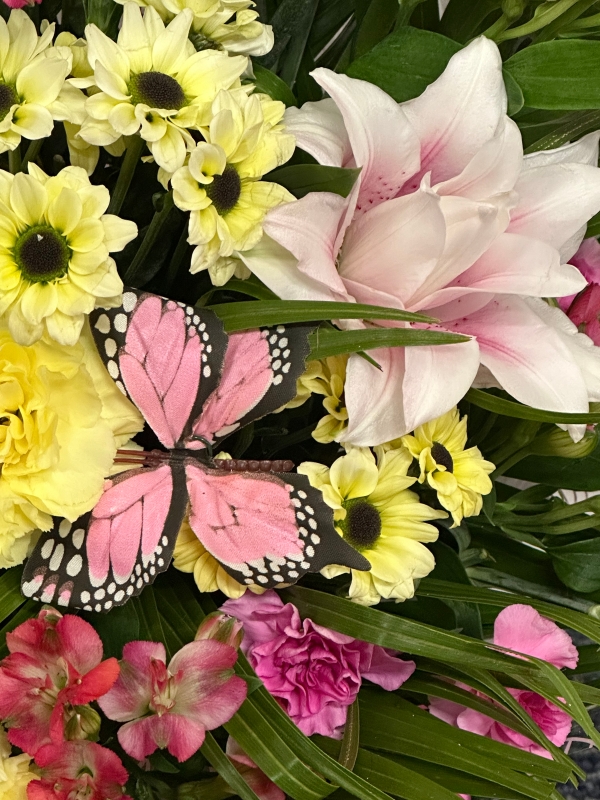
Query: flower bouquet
column 299, row 380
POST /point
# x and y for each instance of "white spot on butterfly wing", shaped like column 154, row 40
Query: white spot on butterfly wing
column 48, row 593
column 78, row 537
column 85, row 597
column 119, row 596
column 57, row 557
column 113, row 369
column 277, row 379
column 64, row 528
column 29, row 588
column 110, row 346
column 74, row 565
column 129, row 301
column 121, row 323
column 99, row 594
column 103, row 324
column 47, row 549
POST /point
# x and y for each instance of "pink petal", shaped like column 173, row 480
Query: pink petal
column 460, row 112
column 384, row 144
column 81, row 645
column 522, row 628
column 95, row 684
column 445, row 710
column 476, row 722
column 388, row 671
column 319, row 130
column 130, row 696
column 180, row 735
column 523, row 353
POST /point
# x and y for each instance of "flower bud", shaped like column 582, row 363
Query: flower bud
column 513, row 9
column 83, row 723
column 584, row 311
column 221, row 627
column 557, row 442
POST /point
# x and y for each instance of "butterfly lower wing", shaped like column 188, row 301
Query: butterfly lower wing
column 165, row 356
column 111, row 553
column 259, row 376
column 264, row 528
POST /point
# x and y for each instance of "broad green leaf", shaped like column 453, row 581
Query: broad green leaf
column 300, row 179
column 375, row 25
column 10, row 592
column 582, row 474
column 242, row 316
column 578, row 564
column 291, row 23
column 463, row 19
column 563, row 74
column 267, row 82
column 213, row 753
column 509, row 408
column 122, row 625
column 28, row 610
column 589, row 659
column 514, row 95
column 583, row 623
column 325, row 343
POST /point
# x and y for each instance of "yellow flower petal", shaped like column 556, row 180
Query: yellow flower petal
column 28, row 199
column 64, row 212
column 355, row 474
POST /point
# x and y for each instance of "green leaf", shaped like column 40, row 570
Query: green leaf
column 122, row 625
column 375, row 25
column 583, row 623
column 581, row 474
column 267, row 82
column 405, row 62
column 213, row 753
column 509, row 408
column 325, row 343
column 243, row 316
column 514, row 95
column 291, row 23
column 349, row 749
column 463, row 19
column 578, row 564
column 300, row 179
column 567, row 129
column 10, row 592
column 593, row 226
column 563, row 74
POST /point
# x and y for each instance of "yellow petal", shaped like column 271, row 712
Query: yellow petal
column 169, row 151
column 39, row 300
column 64, row 212
column 87, row 235
column 32, row 121
column 28, row 199
column 355, row 474
column 118, row 232
column 41, row 81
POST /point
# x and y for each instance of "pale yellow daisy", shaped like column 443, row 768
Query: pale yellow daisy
column 230, row 25
column 15, row 771
column 154, row 84
column 376, row 513
column 460, row 477
column 220, row 185
column 55, row 241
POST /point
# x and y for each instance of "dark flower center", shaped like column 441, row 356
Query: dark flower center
column 225, row 190
column 42, row 254
column 8, row 97
column 156, row 90
column 362, row 526
column 442, row 457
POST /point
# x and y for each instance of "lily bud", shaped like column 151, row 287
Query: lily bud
column 513, row 9
column 584, row 311
column 557, row 442
column 221, row 627
column 84, row 723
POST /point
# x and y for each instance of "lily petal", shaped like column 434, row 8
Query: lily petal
column 319, row 130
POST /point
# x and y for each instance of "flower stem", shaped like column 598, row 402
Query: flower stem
column 128, row 165
column 134, row 270
column 31, row 153
column 175, row 263
column 14, row 160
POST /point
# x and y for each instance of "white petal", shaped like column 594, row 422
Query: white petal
column 383, row 142
column 108, row 53
column 117, row 232
column 41, row 81
column 583, row 151
column 134, row 39
column 319, row 130
column 169, row 50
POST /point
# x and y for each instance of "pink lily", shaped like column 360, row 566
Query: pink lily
column 173, row 706
column 447, row 218
column 587, row 261
column 73, row 770
column 54, row 669
column 523, row 629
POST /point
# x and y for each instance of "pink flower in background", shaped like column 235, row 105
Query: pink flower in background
column 521, row 628
column 587, row 261
column 55, row 666
column 73, row 770
column 448, row 218
column 314, row 672
column 584, row 312
column 261, row 785
column 172, row 706
column 20, row 3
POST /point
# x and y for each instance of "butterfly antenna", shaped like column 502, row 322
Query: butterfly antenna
column 206, row 443
column 142, row 458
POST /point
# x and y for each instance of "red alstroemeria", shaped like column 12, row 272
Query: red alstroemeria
column 55, row 667
column 76, row 770
column 173, row 706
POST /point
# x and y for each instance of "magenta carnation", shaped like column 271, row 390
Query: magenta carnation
column 521, row 628
column 314, row 672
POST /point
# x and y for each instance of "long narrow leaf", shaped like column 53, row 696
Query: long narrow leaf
column 213, row 753
column 325, row 343
column 10, row 593
column 508, row 408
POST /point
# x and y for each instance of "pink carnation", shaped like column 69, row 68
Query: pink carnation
column 521, row 628
column 314, row 672
column 76, row 770
column 54, row 668
column 173, row 705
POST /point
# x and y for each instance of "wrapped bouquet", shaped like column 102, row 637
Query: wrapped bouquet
column 299, row 386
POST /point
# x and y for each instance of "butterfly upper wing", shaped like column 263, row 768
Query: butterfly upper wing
column 259, row 376
column 110, row 554
column 164, row 356
column 264, row 528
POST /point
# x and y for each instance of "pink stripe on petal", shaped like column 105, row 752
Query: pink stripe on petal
column 125, row 535
column 241, row 517
column 180, row 398
column 246, row 378
column 142, row 328
column 144, row 395
column 127, row 491
column 97, row 547
column 164, row 353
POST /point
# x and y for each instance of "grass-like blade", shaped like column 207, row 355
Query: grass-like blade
column 325, row 343
column 10, row 593
column 510, row 408
column 213, row 753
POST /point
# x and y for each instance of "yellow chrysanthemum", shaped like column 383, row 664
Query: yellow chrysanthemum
column 377, row 514
column 221, row 184
column 460, row 477
column 15, row 771
column 153, row 83
column 55, row 241
column 228, row 24
column 32, row 76
column 191, row 556
column 61, row 420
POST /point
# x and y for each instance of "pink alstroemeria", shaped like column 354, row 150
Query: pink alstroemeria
column 262, row 786
column 448, row 218
column 74, row 770
column 54, row 669
column 173, row 706
column 521, row 628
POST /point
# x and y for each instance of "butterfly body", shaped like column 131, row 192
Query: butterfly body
column 194, row 385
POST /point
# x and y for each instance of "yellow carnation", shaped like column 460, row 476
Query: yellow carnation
column 61, row 420
column 15, row 771
column 55, row 241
